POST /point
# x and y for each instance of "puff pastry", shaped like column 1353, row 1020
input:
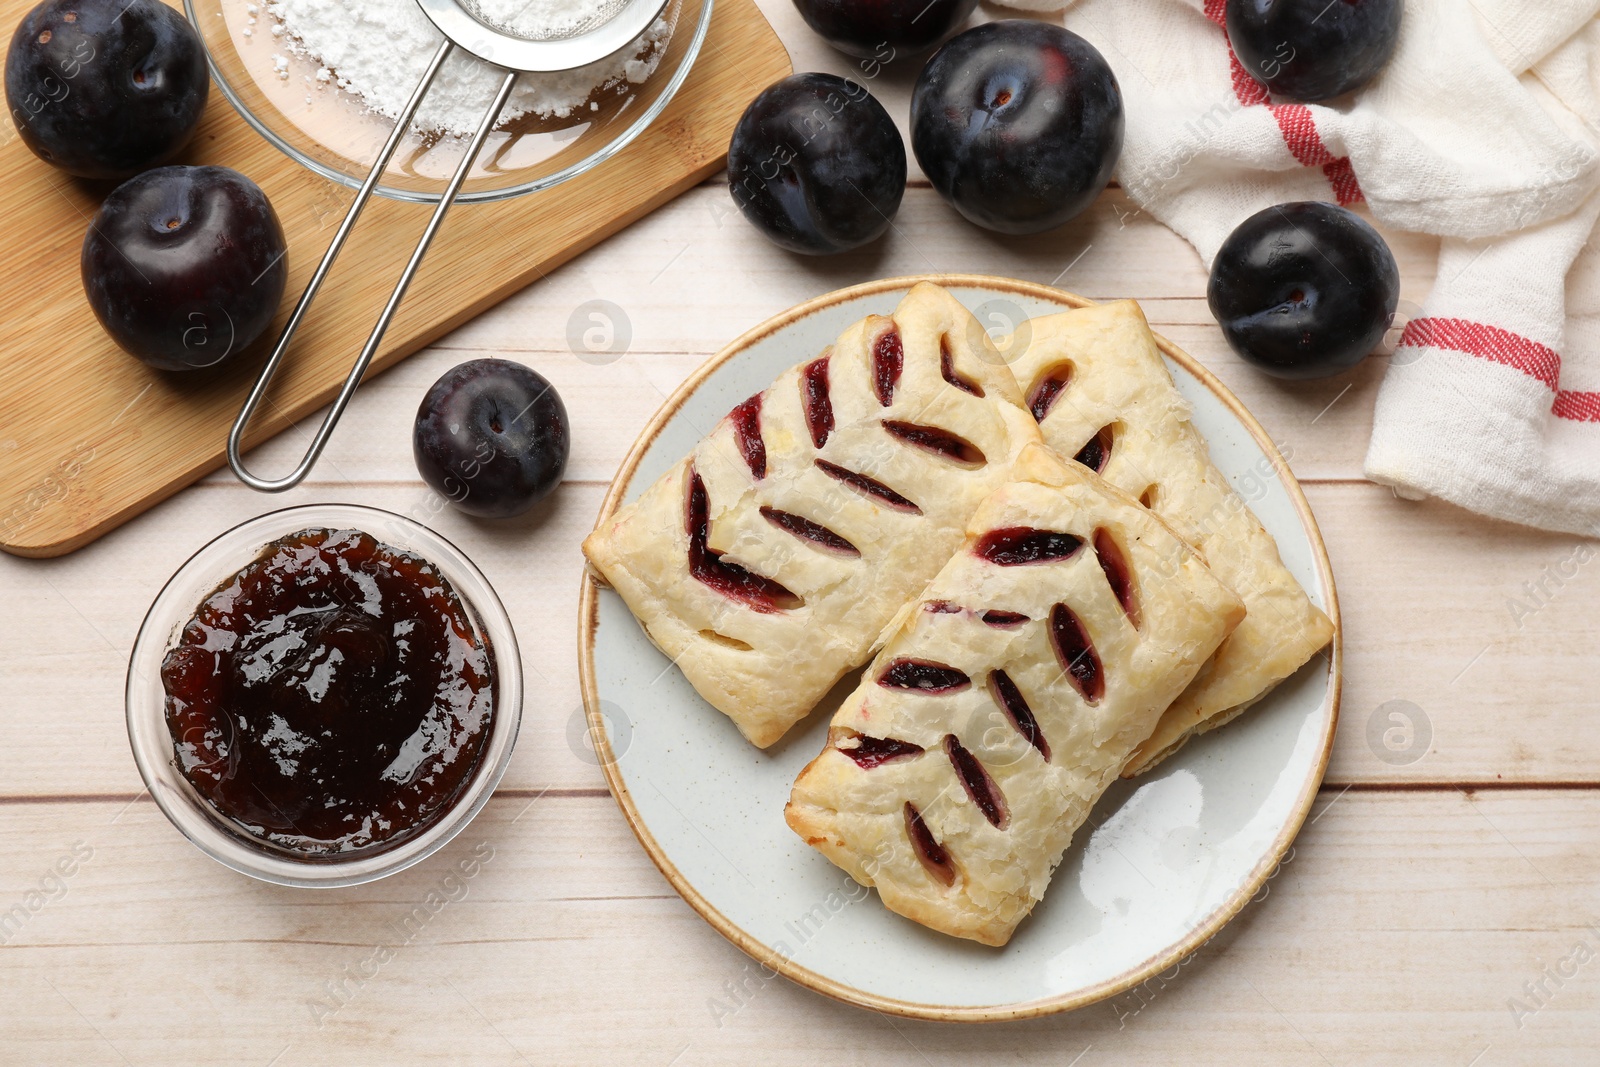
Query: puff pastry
column 1096, row 382
column 768, row 562
column 1008, row 697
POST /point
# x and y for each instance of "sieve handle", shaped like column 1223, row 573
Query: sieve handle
column 236, row 435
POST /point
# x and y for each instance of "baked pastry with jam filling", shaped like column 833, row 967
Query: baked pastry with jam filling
column 1096, row 382
column 1008, row 697
column 767, row 563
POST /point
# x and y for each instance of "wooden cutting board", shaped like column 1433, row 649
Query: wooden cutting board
column 90, row 437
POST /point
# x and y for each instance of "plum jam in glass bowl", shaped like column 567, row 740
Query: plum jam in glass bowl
column 324, row 695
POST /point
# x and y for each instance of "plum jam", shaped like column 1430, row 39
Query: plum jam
column 331, row 696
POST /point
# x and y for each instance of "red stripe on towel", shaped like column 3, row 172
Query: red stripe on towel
column 1343, row 179
column 1300, row 134
column 1508, row 349
column 1579, row 407
column 1487, row 342
column 1294, row 121
column 1250, row 92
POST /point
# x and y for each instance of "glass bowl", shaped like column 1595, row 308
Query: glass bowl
column 207, row 569
column 329, row 130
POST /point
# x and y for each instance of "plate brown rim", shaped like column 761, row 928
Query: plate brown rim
column 588, row 625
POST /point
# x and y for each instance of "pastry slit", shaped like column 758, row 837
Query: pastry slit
column 1079, row 661
column 888, row 357
column 981, row 788
column 947, row 369
column 868, row 486
column 729, row 642
column 941, row 443
column 812, row 532
column 746, row 420
column 870, row 752
column 1017, row 712
column 923, row 677
column 817, row 401
column 1047, row 390
column 932, row 854
column 1017, row 546
column 731, row 580
column 1114, row 562
column 1097, row 452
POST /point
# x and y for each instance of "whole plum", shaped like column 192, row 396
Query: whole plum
column 1018, row 124
column 1304, row 290
column 185, row 266
column 105, row 88
column 817, row 165
column 492, row 436
column 1312, row 50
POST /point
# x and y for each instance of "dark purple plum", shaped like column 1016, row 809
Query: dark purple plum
column 1304, row 290
column 1312, row 50
column 492, row 437
column 817, row 165
column 185, row 266
column 1018, row 124
column 884, row 29
column 105, row 88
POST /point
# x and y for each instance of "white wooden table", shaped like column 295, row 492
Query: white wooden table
column 1442, row 906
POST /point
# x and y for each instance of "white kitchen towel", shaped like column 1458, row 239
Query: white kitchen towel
column 1484, row 130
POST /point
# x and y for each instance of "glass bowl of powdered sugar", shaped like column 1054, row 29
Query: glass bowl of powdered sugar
column 324, row 79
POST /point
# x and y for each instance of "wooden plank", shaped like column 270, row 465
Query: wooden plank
column 1485, row 631
column 1425, row 590
column 1404, row 929
column 92, row 437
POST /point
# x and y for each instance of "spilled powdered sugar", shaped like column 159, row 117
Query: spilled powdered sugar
column 379, row 49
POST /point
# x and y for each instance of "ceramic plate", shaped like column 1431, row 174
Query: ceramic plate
column 1164, row 861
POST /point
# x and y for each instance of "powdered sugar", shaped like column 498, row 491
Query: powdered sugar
column 379, row 49
column 544, row 19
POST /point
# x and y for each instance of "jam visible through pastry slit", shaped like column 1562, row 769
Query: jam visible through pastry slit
column 729, row 579
column 1003, row 619
column 941, row 443
column 872, row 752
column 1016, row 546
column 1047, row 389
column 1097, row 453
column 868, row 486
column 923, row 677
column 816, row 401
column 888, row 357
column 1118, row 574
column 932, row 854
column 806, row 530
column 947, row 369
column 1076, row 653
column 746, row 420
column 1009, row 697
column 981, row 788
column 1000, row 620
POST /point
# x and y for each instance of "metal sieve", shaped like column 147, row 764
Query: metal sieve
column 614, row 26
